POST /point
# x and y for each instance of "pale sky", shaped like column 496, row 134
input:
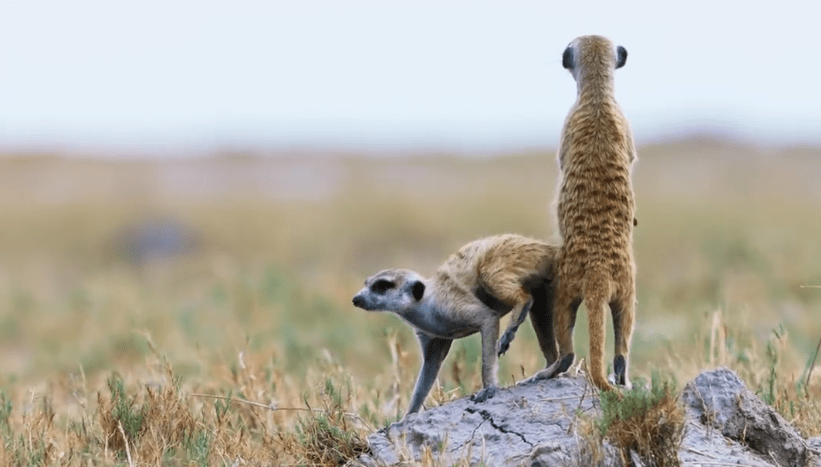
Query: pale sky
column 189, row 76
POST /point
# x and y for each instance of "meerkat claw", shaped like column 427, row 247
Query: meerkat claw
column 484, row 394
column 504, row 343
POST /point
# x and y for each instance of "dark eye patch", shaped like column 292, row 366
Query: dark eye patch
column 382, row 286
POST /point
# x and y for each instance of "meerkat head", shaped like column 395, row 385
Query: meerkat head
column 592, row 52
column 391, row 290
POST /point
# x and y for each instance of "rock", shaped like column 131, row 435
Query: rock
column 536, row 424
column 815, row 443
column 527, row 422
column 815, row 446
column 719, row 400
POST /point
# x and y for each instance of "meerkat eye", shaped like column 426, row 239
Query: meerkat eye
column 418, row 289
column 382, row 286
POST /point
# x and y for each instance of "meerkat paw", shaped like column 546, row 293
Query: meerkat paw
column 613, row 379
column 627, row 385
column 408, row 416
column 619, row 375
column 547, row 373
column 504, row 342
column 484, row 394
column 536, row 377
column 553, row 370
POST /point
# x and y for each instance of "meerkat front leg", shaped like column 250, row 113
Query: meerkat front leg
column 434, row 351
column 490, row 333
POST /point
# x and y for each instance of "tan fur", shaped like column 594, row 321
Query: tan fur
column 595, row 210
column 469, row 293
column 510, row 269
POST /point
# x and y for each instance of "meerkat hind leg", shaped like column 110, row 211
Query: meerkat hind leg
column 505, row 283
column 623, row 312
column 434, row 351
column 520, row 312
column 565, row 309
column 541, row 317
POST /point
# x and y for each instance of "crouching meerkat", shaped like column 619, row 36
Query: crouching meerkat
column 470, row 292
column 595, row 212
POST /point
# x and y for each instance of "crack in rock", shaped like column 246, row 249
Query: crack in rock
column 487, row 417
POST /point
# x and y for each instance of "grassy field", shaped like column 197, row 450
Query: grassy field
column 116, row 353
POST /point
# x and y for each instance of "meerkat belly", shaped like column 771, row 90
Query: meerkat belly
column 489, row 300
column 444, row 326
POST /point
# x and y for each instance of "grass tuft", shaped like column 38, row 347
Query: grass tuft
column 647, row 421
column 120, row 416
column 5, row 412
column 327, row 436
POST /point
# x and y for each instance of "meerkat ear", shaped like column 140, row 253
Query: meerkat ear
column 418, row 289
column 567, row 58
column 621, row 56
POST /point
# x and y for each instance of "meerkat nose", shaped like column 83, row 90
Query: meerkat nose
column 358, row 301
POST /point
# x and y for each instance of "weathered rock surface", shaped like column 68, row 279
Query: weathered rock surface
column 720, row 401
column 534, row 424
column 815, row 447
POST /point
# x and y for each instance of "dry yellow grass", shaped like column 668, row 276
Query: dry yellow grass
column 258, row 306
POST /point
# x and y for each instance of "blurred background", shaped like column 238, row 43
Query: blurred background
column 202, row 179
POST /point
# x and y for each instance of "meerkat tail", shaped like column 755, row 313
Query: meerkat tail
column 597, row 294
column 597, row 321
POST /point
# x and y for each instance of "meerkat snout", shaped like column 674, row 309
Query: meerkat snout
column 358, row 301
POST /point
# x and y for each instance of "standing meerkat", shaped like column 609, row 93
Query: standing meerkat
column 595, row 212
column 471, row 291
